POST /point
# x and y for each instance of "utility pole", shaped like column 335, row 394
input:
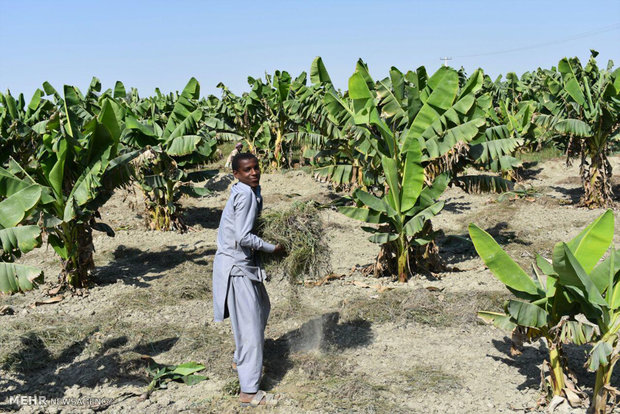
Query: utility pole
column 445, row 60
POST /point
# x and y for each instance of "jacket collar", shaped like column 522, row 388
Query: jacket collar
column 254, row 190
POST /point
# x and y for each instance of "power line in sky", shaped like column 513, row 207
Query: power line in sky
column 610, row 28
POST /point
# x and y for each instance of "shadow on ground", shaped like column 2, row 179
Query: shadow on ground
column 454, row 206
column 39, row 373
column 324, row 334
column 504, row 236
column 132, row 265
column 220, row 182
column 207, row 217
column 527, row 172
column 527, row 363
column 532, row 358
column 615, row 188
column 573, row 194
column 456, row 248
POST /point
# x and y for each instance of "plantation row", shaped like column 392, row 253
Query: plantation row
column 395, row 144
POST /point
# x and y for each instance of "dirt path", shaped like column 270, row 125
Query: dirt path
column 341, row 347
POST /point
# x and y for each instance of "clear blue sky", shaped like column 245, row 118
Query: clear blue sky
column 163, row 43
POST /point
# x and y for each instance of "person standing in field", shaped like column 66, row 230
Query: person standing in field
column 238, row 289
column 237, row 150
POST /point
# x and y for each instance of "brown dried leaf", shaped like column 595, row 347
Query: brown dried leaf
column 574, row 399
column 555, row 402
column 54, row 299
column 518, row 337
column 575, row 396
column 54, row 291
column 325, row 280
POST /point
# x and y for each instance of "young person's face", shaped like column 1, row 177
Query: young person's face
column 248, row 172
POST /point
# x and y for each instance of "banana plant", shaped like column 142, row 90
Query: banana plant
column 236, row 118
column 273, row 118
column 509, row 125
column 585, row 107
column 596, row 290
column 171, row 150
column 341, row 151
column 403, row 214
column 16, row 239
column 602, row 304
column 408, row 199
column 77, row 168
column 549, row 305
column 277, row 100
column 413, row 124
column 21, row 125
column 444, row 112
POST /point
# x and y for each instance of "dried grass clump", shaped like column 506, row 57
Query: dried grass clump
column 302, row 233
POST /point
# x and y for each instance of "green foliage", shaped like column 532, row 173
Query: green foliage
column 413, row 124
column 161, row 374
column 270, row 118
column 581, row 111
column 21, row 125
column 77, row 165
column 520, row 192
column 172, row 149
column 13, row 242
column 574, row 299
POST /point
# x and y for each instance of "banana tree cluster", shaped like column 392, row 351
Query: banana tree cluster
column 510, row 127
column 20, row 125
column 275, row 118
column 583, row 107
column 171, row 150
column 575, row 299
column 343, row 154
column 76, row 168
column 414, row 124
column 447, row 145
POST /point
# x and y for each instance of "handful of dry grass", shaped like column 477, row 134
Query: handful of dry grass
column 302, row 233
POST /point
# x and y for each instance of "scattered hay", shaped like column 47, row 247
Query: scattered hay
column 32, row 344
column 232, row 387
column 421, row 306
column 423, row 378
column 316, row 366
column 302, row 233
column 344, row 394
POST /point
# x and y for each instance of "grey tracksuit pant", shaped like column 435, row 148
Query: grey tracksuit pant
column 248, row 306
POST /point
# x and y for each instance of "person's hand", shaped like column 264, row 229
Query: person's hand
column 279, row 249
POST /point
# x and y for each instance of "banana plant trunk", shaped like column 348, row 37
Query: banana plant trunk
column 601, row 394
column 557, row 371
column 249, row 141
column 164, row 214
column 596, row 180
column 278, row 149
column 78, row 238
column 403, row 251
column 302, row 159
column 278, row 146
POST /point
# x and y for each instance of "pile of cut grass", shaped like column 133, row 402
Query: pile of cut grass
column 302, row 233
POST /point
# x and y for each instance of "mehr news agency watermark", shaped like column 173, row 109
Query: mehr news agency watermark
column 41, row 400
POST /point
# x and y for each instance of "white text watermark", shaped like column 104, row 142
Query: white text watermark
column 41, row 400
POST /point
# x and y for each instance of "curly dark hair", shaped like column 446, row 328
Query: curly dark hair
column 242, row 156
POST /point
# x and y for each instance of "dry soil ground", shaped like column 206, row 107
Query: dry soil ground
column 340, row 347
